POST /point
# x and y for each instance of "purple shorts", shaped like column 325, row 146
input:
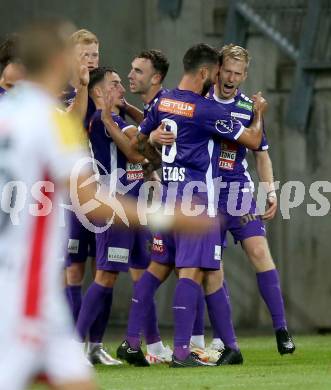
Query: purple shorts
column 120, row 248
column 249, row 224
column 189, row 250
column 81, row 242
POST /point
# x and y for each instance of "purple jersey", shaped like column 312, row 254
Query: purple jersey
column 232, row 163
column 2, row 91
column 151, row 104
column 196, row 122
column 109, row 156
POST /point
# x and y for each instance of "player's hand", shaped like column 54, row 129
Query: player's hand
column 161, row 136
column 82, row 70
column 108, row 104
column 84, row 75
column 123, row 104
column 260, row 103
column 271, row 207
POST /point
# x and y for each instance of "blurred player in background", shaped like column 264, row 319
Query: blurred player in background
column 11, row 70
column 36, row 323
column 36, row 329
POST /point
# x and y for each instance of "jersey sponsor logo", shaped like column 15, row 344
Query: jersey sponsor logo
column 224, row 126
column 228, row 156
column 245, row 105
column 218, row 253
column 157, row 246
column 240, row 115
column 177, row 107
column 118, row 255
column 134, row 171
column 73, row 246
column 173, row 174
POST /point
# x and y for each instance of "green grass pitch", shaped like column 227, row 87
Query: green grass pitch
column 264, row 369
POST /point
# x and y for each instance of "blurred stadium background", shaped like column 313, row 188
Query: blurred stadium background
column 290, row 45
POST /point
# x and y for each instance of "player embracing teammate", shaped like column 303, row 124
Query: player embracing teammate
column 199, row 126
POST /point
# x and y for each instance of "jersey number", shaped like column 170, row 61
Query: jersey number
column 169, row 152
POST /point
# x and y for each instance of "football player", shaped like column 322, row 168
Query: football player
column 192, row 157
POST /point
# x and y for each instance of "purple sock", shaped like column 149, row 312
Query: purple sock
column 75, row 294
column 141, row 306
column 92, row 306
column 68, row 296
column 226, row 289
column 199, row 323
column 99, row 326
column 219, row 310
column 185, row 303
column 270, row 291
column 151, row 327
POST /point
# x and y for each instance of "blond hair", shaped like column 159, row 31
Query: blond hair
column 84, row 37
column 235, row 52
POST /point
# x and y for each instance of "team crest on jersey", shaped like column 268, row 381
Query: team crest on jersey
column 157, row 246
column 177, row 107
column 245, row 105
column 224, row 127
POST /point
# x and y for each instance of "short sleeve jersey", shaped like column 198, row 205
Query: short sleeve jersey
column 232, row 163
column 196, row 122
column 109, row 157
column 151, row 104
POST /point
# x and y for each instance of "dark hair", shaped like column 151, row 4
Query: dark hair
column 40, row 41
column 158, row 59
column 8, row 51
column 97, row 75
column 199, row 55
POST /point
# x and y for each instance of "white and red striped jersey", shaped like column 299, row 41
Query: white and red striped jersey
column 38, row 148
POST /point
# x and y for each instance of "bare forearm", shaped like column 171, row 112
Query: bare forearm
column 143, row 147
column 79, row 105
column 122, row 141
column 256, row 128
column 134, row 113
column 264, row 169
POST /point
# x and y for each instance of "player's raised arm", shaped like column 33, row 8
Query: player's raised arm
column 251, row 137
column 79, row 105
column 113, row 129
column 134, row 113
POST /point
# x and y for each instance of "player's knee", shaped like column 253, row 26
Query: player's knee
column 75, row 274
column 160, row 271
column 213, row 281
column 106, row 278
column 260, row 257
column 136, row 274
